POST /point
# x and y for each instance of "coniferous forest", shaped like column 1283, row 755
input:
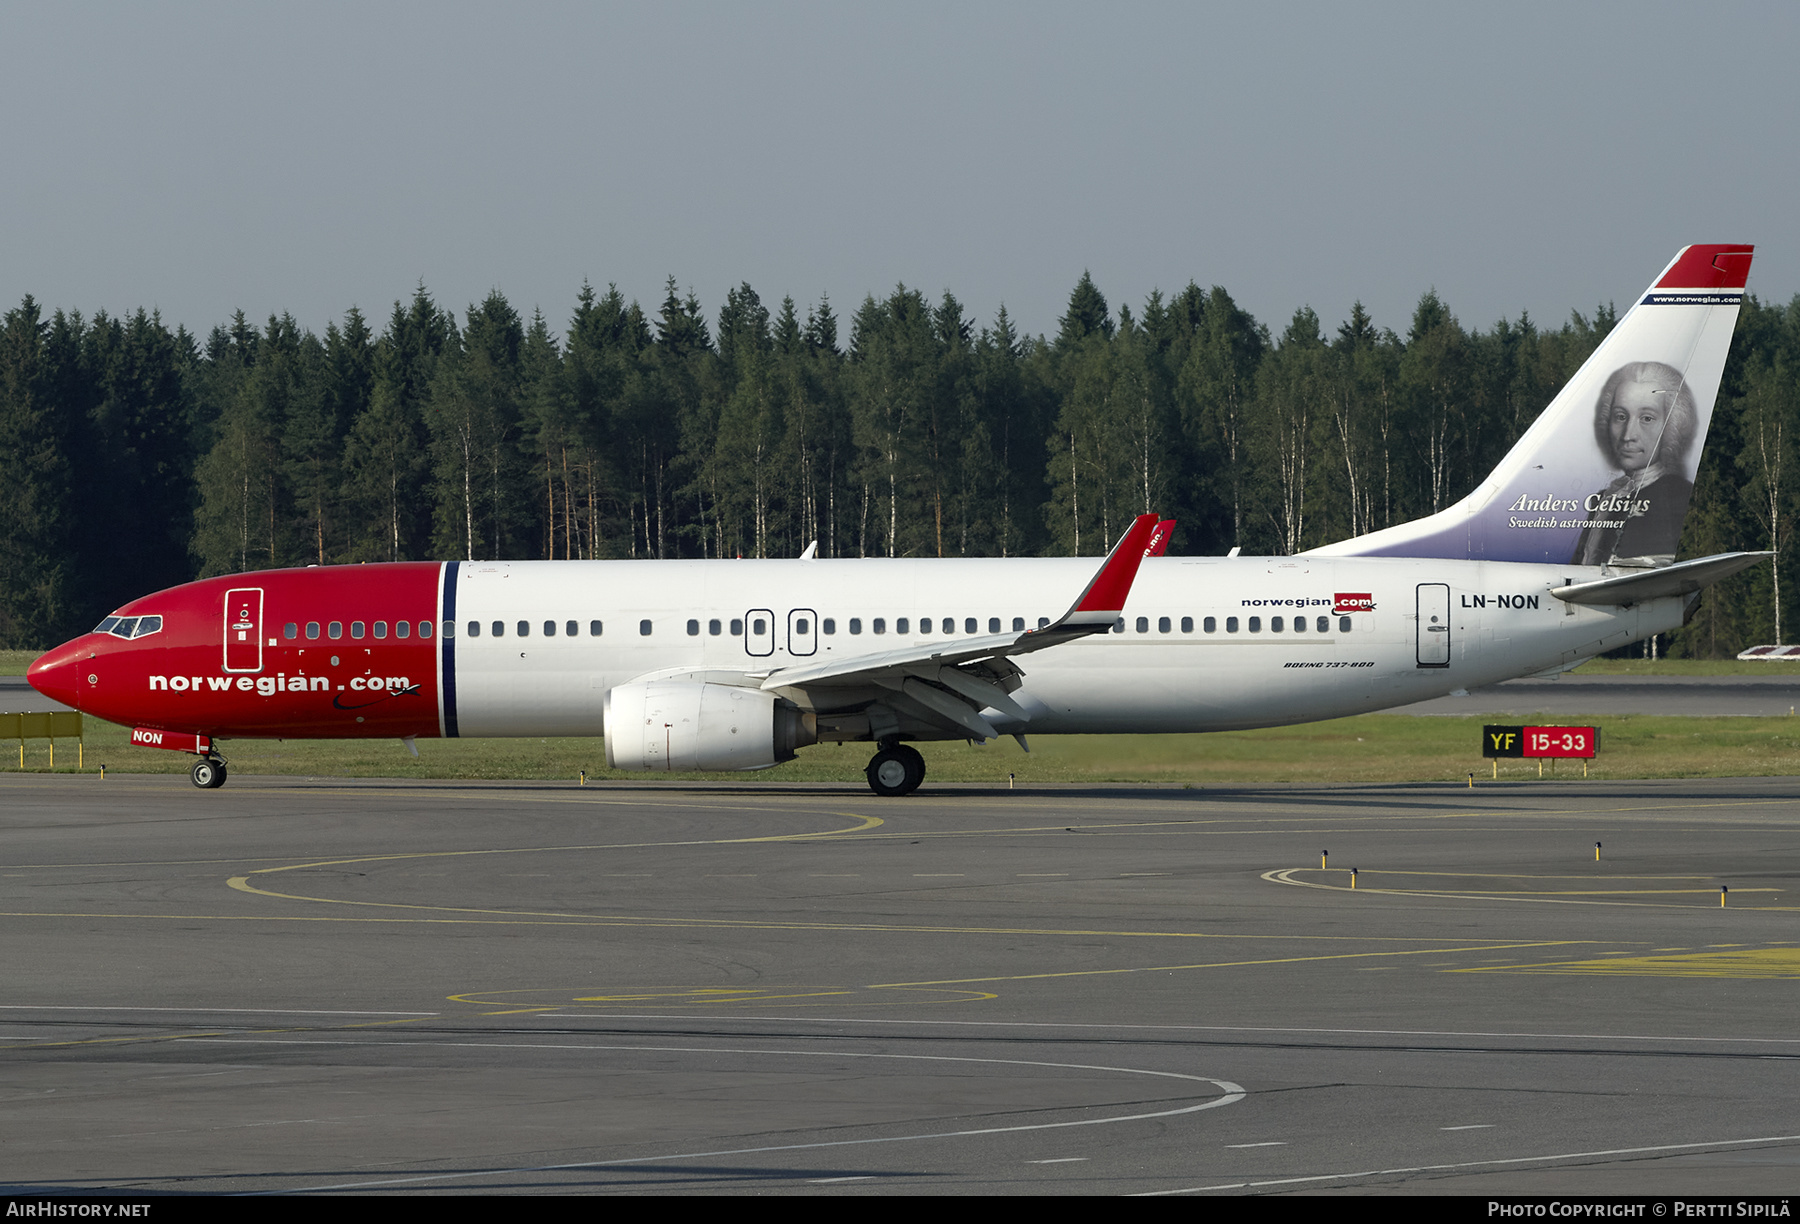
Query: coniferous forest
column 134, row 456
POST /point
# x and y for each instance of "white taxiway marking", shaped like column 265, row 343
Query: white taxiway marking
column 1270, row 1143
column 1232, row 1093
column 1473, row 1164
column 1059, row 1160
column 1471, row 1126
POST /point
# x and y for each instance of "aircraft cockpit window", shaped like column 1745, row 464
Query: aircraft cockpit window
column 146, row 626
column 356, row 630
column 290, row 631
column 106, row 625
column 124, row 626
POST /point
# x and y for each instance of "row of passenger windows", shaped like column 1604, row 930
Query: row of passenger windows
column 802, row 626
column 335, row 630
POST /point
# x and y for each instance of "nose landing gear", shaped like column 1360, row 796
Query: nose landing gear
column 896, row 770
column 209, row 773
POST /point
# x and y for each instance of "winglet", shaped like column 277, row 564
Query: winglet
column 1159, row 540
column 1104, row 598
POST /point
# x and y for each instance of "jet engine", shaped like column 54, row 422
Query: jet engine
column 686, row 724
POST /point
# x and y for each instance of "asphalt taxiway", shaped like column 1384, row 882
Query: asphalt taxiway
column 288, row 986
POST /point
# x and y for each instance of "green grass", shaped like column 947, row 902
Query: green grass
column 14, row 662
column 1367, row 748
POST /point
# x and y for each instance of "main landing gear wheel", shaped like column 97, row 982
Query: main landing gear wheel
column 896, row 771
column 209, row 773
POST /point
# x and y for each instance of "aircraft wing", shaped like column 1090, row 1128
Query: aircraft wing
column 955, row 680
column 1682, row 578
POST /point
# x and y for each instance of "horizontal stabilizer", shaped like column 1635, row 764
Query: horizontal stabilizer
column 1682, row 578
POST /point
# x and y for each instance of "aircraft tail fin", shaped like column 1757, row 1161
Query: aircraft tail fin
column 1604, row 475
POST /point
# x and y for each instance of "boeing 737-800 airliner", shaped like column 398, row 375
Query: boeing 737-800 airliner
column 1565, row 551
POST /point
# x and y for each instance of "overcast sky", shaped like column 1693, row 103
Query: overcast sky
column 201, row 159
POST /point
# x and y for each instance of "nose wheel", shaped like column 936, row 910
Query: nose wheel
column 209, row 773
column 896, row 771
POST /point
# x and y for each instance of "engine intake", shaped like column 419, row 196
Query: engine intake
column 684, row 724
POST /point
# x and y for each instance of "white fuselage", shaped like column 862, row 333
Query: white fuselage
column 1164, row 672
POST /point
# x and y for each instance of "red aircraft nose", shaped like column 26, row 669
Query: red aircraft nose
column 57, row 675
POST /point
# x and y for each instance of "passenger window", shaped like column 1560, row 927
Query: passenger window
column 594, row 628
column 1274, row 624
column 993, row 624
column 1043, row 622
column 290, row 631
column 802, row 626
column 356, row 630
column 1018, row 624
column 571, row 629
column 425, row 629
column 1143, row 624
column 498, row 628
column 549, row 628
column 713, row 627
column 643, row 628
column 404, row 629
column 737, row 627
column 970, row 622
column 380, row 631
column 879, row 625
column 759, row 626
column 474, row 628
column 1119, row 625
column 1163, row 625
column 1256, row 624
column 1324, row 625
column 1210, row 624
column 828, row 626
column 334, row 630
column 1187, row 625
column 900, row 623
column 1343, row 624
column 694, row 628
column 524, row 628
column 1231, row 624
column 856, row 624
column 924, row 625
column 1299, row 624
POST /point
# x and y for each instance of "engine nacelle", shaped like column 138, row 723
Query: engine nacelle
column 687, row 724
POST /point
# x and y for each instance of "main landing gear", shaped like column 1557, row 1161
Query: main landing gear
column 896, row 770
column 209, row 773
